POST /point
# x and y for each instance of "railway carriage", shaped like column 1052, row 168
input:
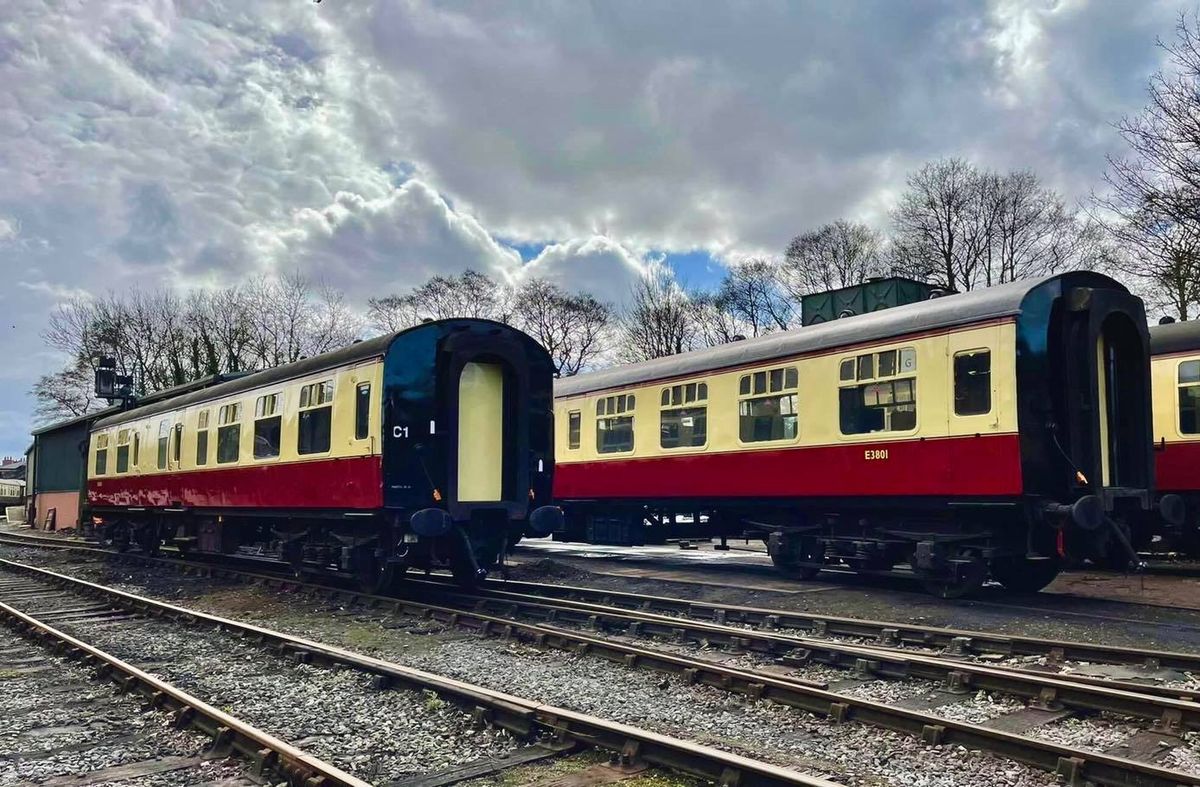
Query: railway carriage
column 1175, row 375
column 998, row 432
column 431, row 446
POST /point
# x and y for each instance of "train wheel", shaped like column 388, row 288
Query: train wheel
column 789, row 558
column 378, row 577
column 292, row 553
column 467, row 573
column 119, row 536
column 969, row 579
column 149, row 538
column 1022, row 575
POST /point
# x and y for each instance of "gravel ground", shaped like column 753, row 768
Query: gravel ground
column 1185, row 758
column 979, row 708
column 773, row 733
column 61, row 722
column 889, row 691
column 334, row 715
column 1099, row 733
column 855, row 753
column 851, row 753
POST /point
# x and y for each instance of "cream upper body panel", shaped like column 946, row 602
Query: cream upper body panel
column 1175, row 387
column 817, row 404
column 142, row 436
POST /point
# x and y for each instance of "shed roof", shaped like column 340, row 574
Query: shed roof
column 79, row 419
column 952, row 310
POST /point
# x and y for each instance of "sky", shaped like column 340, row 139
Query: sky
column 371, row 144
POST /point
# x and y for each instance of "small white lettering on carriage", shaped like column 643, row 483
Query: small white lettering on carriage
column 876, row 453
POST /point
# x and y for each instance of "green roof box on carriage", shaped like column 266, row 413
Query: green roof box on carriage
column 870, row 296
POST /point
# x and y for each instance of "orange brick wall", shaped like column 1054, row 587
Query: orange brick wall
column 66, row 505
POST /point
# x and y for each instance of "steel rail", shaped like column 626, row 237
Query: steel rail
column 963, row 642
column 522, row 717
column 890, row 642
column 885, row 659
column 1169, row 713
column 1074, row 766
column 957, row 640
column 268, row 753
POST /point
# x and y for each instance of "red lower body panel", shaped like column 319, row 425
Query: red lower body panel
column 984, row 465
column 329, row 483
column 1178, row 467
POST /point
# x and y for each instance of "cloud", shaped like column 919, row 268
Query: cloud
column 388, row 243
column 597, row 265
column 155, row 143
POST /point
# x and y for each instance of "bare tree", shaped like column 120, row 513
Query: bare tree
column 756, row 297
column 1152, row 209
column 161, row 338
column 1029, row 224
column 125, row 327
column 963, row 228
column 836, row 255
column 471, row 294
column 65, row 394
column 658, row 320
column 1162, row 256
column 222, row 331
column 929, row 224
column 715, row 319
column 571, row 327
column 290, row 319
column 332, row 323
column 750, row 301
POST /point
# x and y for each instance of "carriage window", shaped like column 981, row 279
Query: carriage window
column 614, row 424
column 887, row 363
column 123, row 451
column 973, row 382
column 316, row 417
column 362, row 411
column 202, row 438
column 229, row 432
column 1189, row 397
column 136, row 443
column 882, row 397
column 683, row 421
column 574, row 422
column 101, row 454
column 164, row 435
column 178, row 442
column 316, row 394
column 773, row 416
column 267, row 426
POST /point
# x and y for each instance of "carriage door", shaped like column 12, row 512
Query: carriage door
column 480, row 433
column 1122, row 397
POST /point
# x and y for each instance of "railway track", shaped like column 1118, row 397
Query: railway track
column 1172, row 707
column 229, row 735
column 558, row 728
column 964, row 642
column 1167, row 713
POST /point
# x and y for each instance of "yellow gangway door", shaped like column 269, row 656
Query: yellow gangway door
column 480, row 433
